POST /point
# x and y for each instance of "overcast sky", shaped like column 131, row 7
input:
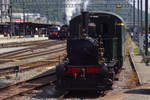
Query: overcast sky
column 143, row 4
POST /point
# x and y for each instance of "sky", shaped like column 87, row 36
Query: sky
column 143, row 3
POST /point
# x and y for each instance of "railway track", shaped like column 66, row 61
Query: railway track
column 29, row 56
column 13, row 53
column 17, row 89
column 17, row 44
column 30, row 66
column 8, row 92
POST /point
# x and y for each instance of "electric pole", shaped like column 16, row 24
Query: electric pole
column 138, row 5
column 141, row 16
column 146, row 26
column 134, row 13
column 10, row 16
column 24, row 28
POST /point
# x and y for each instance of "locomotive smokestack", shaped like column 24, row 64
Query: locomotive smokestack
column 85, row 20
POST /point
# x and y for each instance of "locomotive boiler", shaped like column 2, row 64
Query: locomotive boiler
column 95, row 52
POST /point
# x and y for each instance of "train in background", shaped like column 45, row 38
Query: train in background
column 53, row 32
column 95, row 52
column 29, row 29
column 58, row 32
column 64, row 32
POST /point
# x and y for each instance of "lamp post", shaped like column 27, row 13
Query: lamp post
column 10, row 16
column 47, row 15
column 141, row 16
column 146, row 26
column 57, row 10
column 1, row 12
column 24, row 28
column 138, row 5
column 131, row 14
column 134, row 13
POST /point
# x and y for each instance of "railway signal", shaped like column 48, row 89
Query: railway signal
column 118, row 7
column 17, row 69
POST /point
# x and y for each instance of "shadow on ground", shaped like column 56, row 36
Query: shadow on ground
column 82, row 94
column 48, row 92
column 3, row 84
column 139, row 91
column 51, row 92
column 5, row 81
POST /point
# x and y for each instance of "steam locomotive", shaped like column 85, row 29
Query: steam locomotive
column 95, row 52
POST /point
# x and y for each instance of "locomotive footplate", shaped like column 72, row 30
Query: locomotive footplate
column 82, row 85
column 90, row 82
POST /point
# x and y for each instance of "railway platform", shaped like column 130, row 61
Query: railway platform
column 20, row 39
column 143, row 70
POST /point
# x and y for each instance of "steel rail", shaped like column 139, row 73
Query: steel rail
column 28, row 56
column 12, row 53
column 30, row 66
column 13, row 90
column 28, row 43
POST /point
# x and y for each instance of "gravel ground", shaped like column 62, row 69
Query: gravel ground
column 3, row 50
column 12, row 79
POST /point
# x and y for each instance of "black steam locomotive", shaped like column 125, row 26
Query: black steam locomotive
column 95, row 52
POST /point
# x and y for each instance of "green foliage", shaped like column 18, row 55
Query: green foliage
column 144, row 60
column 136, row 51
